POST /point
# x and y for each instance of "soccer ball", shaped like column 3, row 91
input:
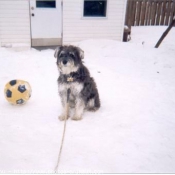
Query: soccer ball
column 17, row 92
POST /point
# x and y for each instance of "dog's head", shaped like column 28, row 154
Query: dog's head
column 69, row 58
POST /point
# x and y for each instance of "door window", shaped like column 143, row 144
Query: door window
column 46, row 4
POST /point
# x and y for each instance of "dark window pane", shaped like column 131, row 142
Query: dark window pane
column 45, row 4
column 95, row 8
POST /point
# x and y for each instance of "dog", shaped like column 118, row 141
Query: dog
column 75, row 77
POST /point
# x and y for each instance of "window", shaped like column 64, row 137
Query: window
column 95, row 8
column 46, row 4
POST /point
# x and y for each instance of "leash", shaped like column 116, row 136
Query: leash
column 64, row 130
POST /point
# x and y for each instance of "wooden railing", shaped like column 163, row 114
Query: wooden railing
column 149, row 12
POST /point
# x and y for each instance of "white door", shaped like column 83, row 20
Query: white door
column 46, row 22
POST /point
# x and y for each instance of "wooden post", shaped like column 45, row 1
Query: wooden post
column 165, row 33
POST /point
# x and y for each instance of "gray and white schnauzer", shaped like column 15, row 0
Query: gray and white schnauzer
column 76, row 77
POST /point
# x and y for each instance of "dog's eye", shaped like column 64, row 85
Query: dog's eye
column 71, row 55
column 62, row 55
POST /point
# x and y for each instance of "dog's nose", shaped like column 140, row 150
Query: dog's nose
column 64, row 62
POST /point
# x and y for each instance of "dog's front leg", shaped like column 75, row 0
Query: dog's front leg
column 65, row 109
column 79, row 109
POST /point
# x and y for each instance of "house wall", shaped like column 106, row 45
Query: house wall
column 77, row 28
column 14, row 23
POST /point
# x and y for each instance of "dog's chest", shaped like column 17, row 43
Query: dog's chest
column 75, row 88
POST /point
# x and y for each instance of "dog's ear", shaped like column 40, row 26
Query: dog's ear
column 81, row 53
column 57, row 51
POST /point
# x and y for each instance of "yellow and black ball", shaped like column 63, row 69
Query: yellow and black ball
column 17, row 92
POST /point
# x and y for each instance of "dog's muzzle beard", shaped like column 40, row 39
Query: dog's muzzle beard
column 67, row 66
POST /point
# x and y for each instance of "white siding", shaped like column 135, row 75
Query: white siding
column 14, row 23
column 77, row 28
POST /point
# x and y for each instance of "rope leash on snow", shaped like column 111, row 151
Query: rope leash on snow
column 64, row 130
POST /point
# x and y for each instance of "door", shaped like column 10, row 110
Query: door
column 46, row 22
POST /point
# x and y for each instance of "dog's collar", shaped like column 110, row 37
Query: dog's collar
column 74, row 76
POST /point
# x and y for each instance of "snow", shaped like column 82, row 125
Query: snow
column 133, row 132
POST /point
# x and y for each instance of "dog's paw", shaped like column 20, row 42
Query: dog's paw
column 62, row 117
column 93, row 109
column 76, row 117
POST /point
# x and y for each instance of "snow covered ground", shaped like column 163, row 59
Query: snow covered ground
column 134, row 130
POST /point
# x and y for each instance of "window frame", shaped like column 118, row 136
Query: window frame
column 95, row 17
